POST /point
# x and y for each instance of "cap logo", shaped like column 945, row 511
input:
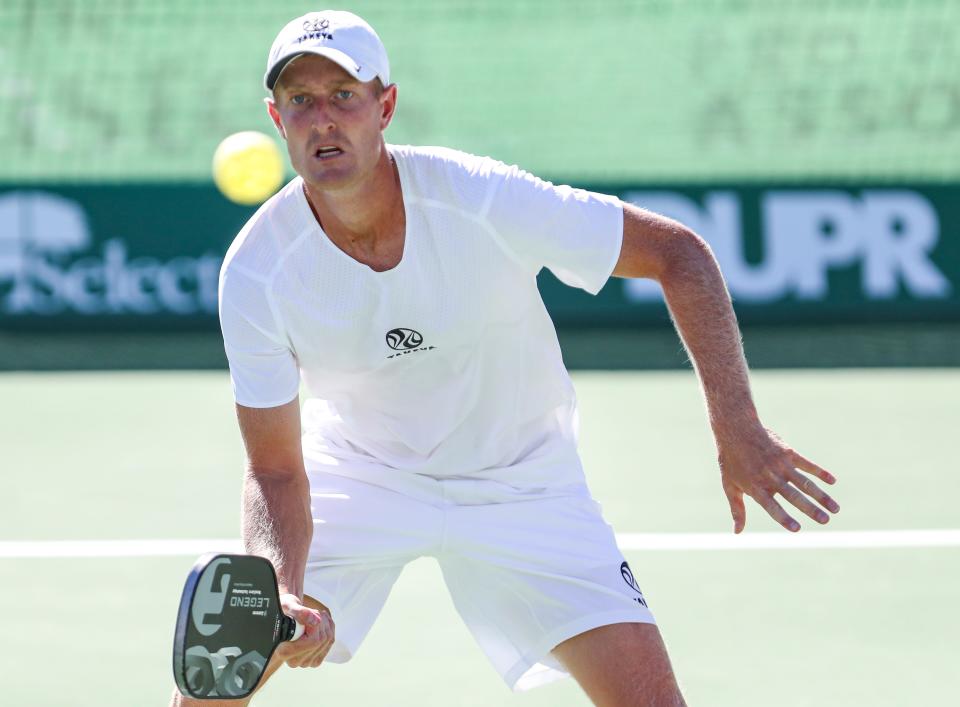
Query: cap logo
column 316, row 29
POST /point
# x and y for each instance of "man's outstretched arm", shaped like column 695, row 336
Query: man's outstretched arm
column 276, row 494
column 753, row 460
column 277, row 523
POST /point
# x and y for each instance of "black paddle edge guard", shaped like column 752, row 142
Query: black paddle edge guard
column 183, row 620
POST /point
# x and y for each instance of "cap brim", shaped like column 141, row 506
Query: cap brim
column 356, row 70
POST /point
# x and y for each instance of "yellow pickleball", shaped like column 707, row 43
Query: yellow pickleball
column 248, row 167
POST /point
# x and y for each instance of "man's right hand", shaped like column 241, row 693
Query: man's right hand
column 312, row 647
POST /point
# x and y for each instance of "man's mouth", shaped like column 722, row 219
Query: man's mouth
column 327, row 151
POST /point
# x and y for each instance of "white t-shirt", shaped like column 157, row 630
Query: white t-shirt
column 446, row 366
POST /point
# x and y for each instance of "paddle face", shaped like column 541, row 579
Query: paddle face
column 228, row 626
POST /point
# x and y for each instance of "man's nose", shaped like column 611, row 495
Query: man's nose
column 322, row 116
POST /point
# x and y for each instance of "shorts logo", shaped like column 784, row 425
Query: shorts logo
column 628, row 578
column 406, row 341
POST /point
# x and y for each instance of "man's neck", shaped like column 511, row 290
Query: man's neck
column 364, row 214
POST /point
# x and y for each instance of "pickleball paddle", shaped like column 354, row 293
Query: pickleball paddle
column 228, row 626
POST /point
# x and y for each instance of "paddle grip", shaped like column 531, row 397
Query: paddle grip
column 292, row 629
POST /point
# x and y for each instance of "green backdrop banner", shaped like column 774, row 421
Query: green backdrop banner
column 635, row 91
column 147, row 256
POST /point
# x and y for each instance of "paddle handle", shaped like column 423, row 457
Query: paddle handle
column 291, row 629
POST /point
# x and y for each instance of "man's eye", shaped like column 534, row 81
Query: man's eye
column 298, row 100
column 344, row 94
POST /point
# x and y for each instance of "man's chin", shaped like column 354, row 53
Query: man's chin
column 327, row 180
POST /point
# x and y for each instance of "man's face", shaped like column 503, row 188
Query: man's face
column 333, row 124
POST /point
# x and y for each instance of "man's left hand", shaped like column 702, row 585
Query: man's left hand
column 759, row 464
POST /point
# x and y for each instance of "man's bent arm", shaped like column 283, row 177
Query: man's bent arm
column 700, row 306
column 753, row 460
column 277, row 523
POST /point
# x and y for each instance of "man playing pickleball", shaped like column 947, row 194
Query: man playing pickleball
column 397, row 285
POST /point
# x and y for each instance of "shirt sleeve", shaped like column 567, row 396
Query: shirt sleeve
column 575, row 233
column 263, row 369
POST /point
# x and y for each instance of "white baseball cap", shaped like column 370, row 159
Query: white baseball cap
column 335, row 34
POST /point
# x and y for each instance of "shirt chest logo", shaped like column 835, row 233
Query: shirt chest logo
column 405, row 341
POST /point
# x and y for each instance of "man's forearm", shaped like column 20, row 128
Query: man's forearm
column 703, row 314
column 277, row 523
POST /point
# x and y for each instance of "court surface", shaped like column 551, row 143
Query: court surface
column 136, row 456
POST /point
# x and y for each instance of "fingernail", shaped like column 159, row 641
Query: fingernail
column 794, row 526
column 823, row 517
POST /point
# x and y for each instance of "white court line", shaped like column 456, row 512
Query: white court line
column 626, row 541
column 116, row 548
column 790, row 541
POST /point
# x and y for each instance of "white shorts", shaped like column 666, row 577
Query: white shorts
column 525, row 574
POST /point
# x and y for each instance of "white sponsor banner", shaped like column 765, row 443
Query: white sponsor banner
column 49, row 265
column 805, row 234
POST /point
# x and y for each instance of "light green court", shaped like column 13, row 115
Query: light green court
column 156, row 455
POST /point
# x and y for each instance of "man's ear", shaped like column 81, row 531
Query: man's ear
column 275, row 116
column 388, row 102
